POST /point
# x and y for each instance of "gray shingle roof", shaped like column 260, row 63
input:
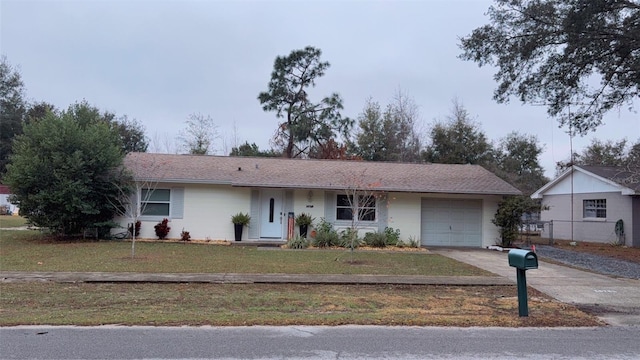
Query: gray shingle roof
column 317, row 174
column 624, row 176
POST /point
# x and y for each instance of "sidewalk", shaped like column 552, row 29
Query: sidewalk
column 615, row 300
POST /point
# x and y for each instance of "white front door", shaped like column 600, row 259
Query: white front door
column 271, row 214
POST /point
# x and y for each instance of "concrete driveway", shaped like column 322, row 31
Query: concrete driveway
column 614, row 300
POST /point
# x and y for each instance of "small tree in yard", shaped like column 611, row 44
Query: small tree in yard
column 134, row 194
column 358, row 203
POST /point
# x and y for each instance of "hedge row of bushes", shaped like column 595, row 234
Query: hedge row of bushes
column 327, row 236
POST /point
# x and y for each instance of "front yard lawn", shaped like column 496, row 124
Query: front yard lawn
column 30, row 251
column 277, row 304
column 35, row 303
column 9, row 221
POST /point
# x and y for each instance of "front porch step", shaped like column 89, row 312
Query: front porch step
column 258, row 243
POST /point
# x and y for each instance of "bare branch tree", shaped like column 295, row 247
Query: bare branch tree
column 163, row 144
column 135, row 194
column 199, row 134
column 358, row 201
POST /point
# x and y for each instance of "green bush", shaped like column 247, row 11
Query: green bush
column 393, row 236
column 326, row 236
column 412, row 242
column 378, row 240
column 241, row 219
column 298, row 242
column 349, row 238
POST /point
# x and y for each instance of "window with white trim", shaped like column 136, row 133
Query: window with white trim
column 155, row 202
column 595, row 208
column 365, row 207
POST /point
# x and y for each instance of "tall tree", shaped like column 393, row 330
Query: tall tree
column 305, row 123
column 607, row 153
column 131, row 133
column 517, row 162
column 552, row 51
column 38, row 111
column 370, row 140
column 199, row 134
column 252, row 149
column 64, row 171
column 12, row 109
column 390, row 135
column 331, row 149
column 458, row 140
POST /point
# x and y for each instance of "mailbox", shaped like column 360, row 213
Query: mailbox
column 523, row 259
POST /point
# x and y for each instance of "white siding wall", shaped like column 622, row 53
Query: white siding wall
column 404, row 214
column 594, row 230
column 313, row 205
column 207, row 212
column 581, row 184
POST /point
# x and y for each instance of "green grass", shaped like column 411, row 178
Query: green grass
column 30, row 251
column 277, row 304
column 36, row 303
column 8, row 221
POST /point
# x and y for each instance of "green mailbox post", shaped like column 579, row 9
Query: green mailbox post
column 522, row 260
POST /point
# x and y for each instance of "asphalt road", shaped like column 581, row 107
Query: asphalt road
column 305, row 342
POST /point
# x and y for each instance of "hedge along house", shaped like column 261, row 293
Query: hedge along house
column 585, row 203
column 437, row 204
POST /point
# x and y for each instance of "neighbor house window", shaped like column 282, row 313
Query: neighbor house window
column 595, row 208
column 155, row 202
column 365, row 207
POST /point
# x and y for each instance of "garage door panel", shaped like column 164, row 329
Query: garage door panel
column 451, row 222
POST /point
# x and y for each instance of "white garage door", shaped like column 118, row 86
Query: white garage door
column 451, row 222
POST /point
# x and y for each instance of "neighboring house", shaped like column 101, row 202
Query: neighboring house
column 437, row 204
column 4, row 201
column 599, row 197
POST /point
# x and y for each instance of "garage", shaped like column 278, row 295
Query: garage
column 451, row 222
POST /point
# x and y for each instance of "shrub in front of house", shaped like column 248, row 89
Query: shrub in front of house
column 326, row 236
column 297, row 242
column 392, row 235
column 162, row 229
column 131, row 229
column 349, row 238
column 377, row 240
column 412, row 242
column 185, row 236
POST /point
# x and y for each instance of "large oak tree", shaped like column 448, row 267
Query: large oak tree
column 580, row 58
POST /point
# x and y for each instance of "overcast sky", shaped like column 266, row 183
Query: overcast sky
column 159, row 61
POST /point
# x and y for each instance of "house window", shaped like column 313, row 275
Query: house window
column 155, row 202
column 365, row 207
column 595, row 208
